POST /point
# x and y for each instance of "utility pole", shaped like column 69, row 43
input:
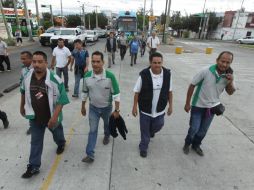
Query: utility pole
column 5, row 22
column 167, row 20
column 237, row 20
column 16, row 13
column 28, row 24
column 163, row 36
column 62, row 12
column 84, row 16
column 201, row 20
column 89, row 26
column 144, row 15
column 96, row 16
column 52, row 17
column 151, row 14
column 37, row 12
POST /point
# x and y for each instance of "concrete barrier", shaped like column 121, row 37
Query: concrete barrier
column 179, row 50
column 209, row 50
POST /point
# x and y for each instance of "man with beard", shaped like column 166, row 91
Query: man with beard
column 210, row 83
column 42, row 99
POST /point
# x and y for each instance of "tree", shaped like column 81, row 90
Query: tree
column 9, row 4
column 73, row 20
column 140, row 19
column 102, row 20
column 46, row 23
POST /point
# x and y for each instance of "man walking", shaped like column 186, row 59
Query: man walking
column 26, row 58
column 81, row 57
column 4, row 119
column 153, row 90
column 42, row 99
column 101, row 87
column 4, row 56
column 142, row 44
column 123, row 45
column 153, row 43
column 61, row 59
column 210, row 83
column 111, row 47
column 134, row 46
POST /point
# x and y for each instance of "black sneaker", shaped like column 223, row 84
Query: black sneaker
column 143, row 154
column 30, row 172
column 152, row 135
column 74, row 95
column 186, row 149
column 6, row 123
column 105, row 140
column 60, row 149
column 198, row 150
column 28, row 132
column 87, row 159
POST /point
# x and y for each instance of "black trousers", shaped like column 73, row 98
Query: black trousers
column 152, row 50
column 3, row 116
column 19, row 40
column 6, row 60
column 122, row 51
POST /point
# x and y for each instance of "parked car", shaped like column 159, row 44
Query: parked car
column 91, row 35
column 101, row 33
column 69, row 35
column 45, row 37
column 247, row 40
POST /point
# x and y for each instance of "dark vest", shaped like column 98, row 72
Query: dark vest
column 146, row 94
column 109, row 46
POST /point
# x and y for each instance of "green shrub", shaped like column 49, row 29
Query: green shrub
column 186, row 34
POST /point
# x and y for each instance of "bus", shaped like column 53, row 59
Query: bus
column 11, row 18
column 127, row 22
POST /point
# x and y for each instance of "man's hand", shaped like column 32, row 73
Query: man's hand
column 134, row 111
column 86, row 69
column 83, row 110
column 22, row 111
column 170, row 110
column 187, row 107
column 52, row 122
column 230, row 78
column 115, row 114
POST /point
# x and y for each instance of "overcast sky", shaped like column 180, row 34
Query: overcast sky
column 185, row 6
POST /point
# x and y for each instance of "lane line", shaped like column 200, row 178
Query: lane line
column 47, row 182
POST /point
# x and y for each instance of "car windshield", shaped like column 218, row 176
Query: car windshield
column 51, row 30
column 90, row 33
column 67, row 32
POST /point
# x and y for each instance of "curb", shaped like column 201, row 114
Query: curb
column 12, row 87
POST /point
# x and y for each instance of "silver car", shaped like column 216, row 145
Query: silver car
column 247, row 40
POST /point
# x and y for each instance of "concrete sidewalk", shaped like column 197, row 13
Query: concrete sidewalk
column 227, row 164
column 25, row 43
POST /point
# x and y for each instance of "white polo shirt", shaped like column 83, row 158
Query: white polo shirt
column 157, row 85
column 61, row 55
column 153, row 42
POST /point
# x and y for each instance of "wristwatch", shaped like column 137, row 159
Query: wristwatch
column 117, row 110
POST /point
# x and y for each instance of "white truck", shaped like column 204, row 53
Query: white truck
column 45, row 37
column 69, row 35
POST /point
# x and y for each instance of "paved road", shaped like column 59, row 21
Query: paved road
column 229, row 151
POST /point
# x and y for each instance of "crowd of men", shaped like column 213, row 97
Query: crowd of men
column 43, row 94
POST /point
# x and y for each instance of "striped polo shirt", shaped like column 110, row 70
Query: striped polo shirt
column 209, row 86
column 101, row 89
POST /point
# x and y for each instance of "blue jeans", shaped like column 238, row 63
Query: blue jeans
column 94, row 116
column 37, row 137
column 78, row 77
column 63, row 70
column 149, row 126
column 200, row 122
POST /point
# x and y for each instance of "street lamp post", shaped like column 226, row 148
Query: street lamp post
column 28, row 22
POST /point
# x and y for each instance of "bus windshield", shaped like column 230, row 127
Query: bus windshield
column 127, row 26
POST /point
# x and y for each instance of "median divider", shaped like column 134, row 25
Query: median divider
column 12, row 87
